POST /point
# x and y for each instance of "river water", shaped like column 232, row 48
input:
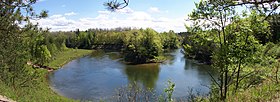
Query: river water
column 97, row 76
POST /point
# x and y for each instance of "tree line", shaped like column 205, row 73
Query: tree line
column 137, row 45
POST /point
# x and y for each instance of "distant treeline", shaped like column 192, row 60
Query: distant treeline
column 137, row 45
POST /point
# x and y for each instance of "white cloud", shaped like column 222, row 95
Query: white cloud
column 154, row 10
column 107, row 19
column 55, row 16
column 102, row 17
column 140, row 15
column 70, row 14
column 56, row 23
column 63, row 5
column 161, row 19
column 104, row 12
column 125, row 10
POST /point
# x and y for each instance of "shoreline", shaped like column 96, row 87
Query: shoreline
column 39, row 89
column 61, row 60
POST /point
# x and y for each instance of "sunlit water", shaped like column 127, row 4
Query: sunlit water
column 97, row 76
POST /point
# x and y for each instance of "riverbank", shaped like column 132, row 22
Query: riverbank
column 38, row 89
column 67, row 56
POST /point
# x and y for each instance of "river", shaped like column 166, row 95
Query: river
column 97, row 76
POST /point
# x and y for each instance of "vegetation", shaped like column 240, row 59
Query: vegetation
column 137, row 45
column 66, row 56
column 199, row 45
column 38, row 87
column 235, row 49
column 242, row 47
column 28, row 43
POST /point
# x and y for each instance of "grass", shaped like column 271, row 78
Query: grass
column 267, row 91
column 65, row 57
column 38, row 90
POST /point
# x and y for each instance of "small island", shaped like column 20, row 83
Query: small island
column 138, row 46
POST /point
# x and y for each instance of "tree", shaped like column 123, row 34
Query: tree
column 236, row 45
column 274, row 21
column 144, row 46
column 199, row 44
column 170, row 40
column 36, row 45
column 14, row 51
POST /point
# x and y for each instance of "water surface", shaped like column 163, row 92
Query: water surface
column 97, row 76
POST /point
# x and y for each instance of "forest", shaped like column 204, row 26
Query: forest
column 137, row 45
column 243, row 47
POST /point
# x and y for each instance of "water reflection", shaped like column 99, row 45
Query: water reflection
column 145, row 74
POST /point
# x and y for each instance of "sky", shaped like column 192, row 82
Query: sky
column 161, row 15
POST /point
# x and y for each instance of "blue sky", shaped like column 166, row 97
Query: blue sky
column 161, row 15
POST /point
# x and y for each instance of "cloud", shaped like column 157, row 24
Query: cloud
column 55, row 16
column 41, row 0
column 57, row 23
column 140, row 15
column 154, row 10
column 70, row 14
column 125, row 10
column 107, row 19
column 104, row 12
column 63, row 5
column 161, row 19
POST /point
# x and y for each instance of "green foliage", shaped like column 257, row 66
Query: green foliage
column 14, row 39
column 170, row 40
column 144, row 47
column 274, row 27
column 38, row 50
column 169, row 90
column 199, row 44
column 37, row 86
column 268, row 91
column 137, row 45
column 235, row 48
column 260, row 27
column 21, row 42
column 272, row 49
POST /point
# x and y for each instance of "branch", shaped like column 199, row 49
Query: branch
column 255, row 2
column 246, row 76
column 116, row 5
column 271, row 12
column 215, row 81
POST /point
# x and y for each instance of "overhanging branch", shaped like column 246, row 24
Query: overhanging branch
column 115, row 4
